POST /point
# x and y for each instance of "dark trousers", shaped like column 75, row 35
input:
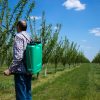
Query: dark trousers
column 23, row 86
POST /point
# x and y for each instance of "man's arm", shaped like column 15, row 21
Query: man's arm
column 18, row 50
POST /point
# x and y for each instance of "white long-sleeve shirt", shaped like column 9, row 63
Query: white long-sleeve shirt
column 20, row 43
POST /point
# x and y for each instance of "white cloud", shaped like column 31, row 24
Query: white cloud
column 74, row 4
column 85, row 47
column 84, row 40
column 36, row 17
column 55, row 27
column 95, row 31
column 88, row 47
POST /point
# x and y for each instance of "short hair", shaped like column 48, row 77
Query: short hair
column 22, row 25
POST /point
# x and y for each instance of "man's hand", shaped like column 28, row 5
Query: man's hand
column 7, row 72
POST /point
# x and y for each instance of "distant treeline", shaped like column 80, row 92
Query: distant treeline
column 96, row 58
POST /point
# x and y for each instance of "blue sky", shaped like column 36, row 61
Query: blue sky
column 80, row 21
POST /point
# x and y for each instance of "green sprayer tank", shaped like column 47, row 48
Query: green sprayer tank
column 34, row 57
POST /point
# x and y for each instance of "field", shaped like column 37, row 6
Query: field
column 79, row 83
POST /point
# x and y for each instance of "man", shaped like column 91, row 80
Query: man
column 21, row 77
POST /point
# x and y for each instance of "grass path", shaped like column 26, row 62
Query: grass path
column 82, row 83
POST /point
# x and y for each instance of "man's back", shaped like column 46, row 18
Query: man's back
column 20, row 43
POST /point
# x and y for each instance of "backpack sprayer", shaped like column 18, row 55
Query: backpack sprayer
column 34, row 57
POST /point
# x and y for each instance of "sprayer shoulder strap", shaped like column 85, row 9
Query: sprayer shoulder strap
column 24, row 55
column 26, row 37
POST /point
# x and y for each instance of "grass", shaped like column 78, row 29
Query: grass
column 69, row 86
column 80, row 83
column 83, row 83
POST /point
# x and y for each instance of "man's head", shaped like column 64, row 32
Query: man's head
column 21, row 26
